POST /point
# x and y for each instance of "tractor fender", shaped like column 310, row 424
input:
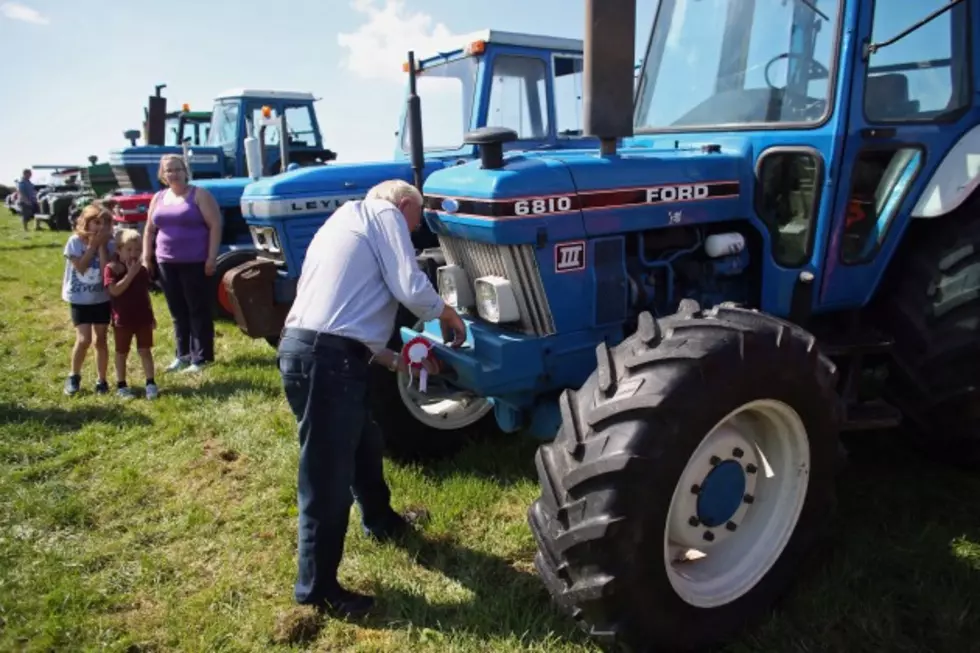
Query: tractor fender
column 955, row 180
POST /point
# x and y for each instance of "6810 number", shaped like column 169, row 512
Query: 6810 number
column 543, row 205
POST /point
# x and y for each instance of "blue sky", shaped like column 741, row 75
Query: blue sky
column 77, row 73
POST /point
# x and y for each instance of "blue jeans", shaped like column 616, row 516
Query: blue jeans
column 325, row 379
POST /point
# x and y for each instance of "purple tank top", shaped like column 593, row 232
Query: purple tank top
column 182, row 234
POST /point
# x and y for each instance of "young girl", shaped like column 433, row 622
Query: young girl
column 132, row 313
column 86, row 252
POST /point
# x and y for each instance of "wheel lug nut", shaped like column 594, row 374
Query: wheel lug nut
column 751, row 469
column 714, row 460
column 695, row 489
column 694, row 521
column 709, row 536
column 738, row 453
column 731, row 526
column 748, row 498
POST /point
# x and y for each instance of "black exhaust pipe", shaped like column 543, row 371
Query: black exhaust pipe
column 610, row 30
column 415, row 124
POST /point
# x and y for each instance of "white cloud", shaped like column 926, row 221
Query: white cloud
column 378, row 48
column 17, row 11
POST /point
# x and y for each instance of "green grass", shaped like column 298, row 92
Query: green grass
column 171, row 525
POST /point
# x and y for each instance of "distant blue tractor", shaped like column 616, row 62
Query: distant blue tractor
column 775, row 246
column 221, row 166
column 233, row 118
column 527, row 82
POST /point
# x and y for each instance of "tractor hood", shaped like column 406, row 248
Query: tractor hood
column 572, row 194
column 150, row 155
column 227, row 192
column 320, row 189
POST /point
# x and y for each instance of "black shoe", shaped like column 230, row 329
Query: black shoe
column 102, row 387
column 346, row 604
column 400, row 525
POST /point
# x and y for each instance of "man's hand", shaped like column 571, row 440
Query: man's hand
column 453, row 329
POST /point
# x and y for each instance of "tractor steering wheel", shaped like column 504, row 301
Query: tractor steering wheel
column 800, row 106
column 817, row 69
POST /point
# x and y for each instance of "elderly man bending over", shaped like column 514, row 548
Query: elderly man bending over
column 358, row 268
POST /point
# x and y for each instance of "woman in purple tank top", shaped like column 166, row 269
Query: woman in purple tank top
column 182, row 235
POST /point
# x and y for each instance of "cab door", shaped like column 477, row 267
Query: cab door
column 910, row 102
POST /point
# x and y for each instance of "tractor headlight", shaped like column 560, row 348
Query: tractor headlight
column 454, row 286
column 266, row 239
column 495, row 300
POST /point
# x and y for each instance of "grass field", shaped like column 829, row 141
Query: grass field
column 171, row 525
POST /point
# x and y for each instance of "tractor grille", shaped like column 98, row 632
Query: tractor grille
column 135, row 178
column 517, row 264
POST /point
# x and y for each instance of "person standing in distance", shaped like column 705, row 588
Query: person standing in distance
column 359, row 267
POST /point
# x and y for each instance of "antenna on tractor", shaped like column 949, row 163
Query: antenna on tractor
column 415, row 124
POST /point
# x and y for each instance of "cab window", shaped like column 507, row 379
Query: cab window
column 518, row 96
column 568, row 95
column 925, row 75
column 299, row 123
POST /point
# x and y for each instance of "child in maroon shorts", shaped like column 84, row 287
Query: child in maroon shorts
column 132, row 313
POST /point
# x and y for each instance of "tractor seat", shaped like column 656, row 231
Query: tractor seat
column 888, row 97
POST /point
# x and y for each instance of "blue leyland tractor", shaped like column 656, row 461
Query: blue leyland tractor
column 775, row 246
column 531, row 83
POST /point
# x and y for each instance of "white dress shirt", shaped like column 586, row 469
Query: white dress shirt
column 360, row 265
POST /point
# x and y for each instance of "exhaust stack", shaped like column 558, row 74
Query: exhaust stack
column 610, row 30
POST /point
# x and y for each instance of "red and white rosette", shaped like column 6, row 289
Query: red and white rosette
column 414, row 353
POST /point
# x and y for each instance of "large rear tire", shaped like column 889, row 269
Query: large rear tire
column 692, row 473
column 419, row 431
column 930, row 304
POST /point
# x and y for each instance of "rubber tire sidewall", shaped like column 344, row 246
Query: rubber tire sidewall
column 676, row 427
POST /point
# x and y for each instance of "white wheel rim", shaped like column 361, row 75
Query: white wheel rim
column 747, row 530
column 442, row 412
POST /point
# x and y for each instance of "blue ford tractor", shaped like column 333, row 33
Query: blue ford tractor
column 530, row 83
column 775, row 246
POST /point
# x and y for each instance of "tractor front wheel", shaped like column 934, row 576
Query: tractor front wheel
column 692, row 473
column 421, row 427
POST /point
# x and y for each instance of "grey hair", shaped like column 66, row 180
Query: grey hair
column 394, row 190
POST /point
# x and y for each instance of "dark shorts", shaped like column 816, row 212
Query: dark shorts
column 90, row 313
column 123, row 336
column 27, row 211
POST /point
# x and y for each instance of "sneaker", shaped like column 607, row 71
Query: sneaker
column 102, row 387
column 193, row 368
column 177, row 365
column 151, row 391
column 125, row 392
column 72, row 384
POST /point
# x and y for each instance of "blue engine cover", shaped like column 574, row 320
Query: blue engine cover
column 298, row 202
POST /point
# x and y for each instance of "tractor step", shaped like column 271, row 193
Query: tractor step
column 870, row 415
column 864, row 342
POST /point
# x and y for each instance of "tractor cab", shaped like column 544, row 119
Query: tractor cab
column 526, row 82
column 214, row 146
column 772, row 251
column 187, row 125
